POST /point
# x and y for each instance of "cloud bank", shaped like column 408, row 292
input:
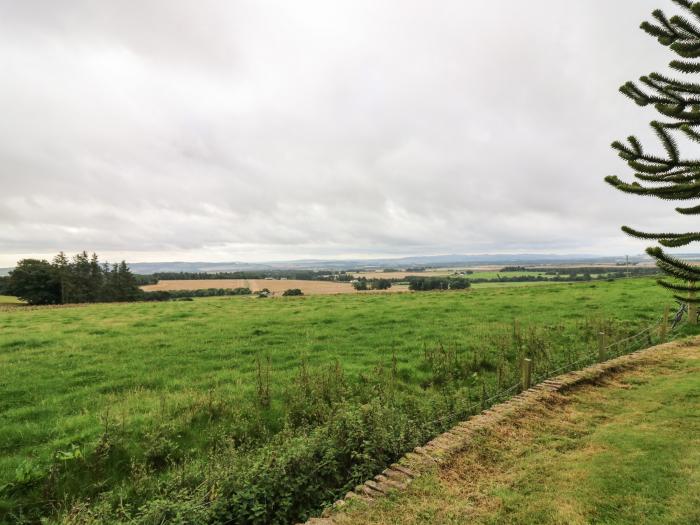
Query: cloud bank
column 254, row 130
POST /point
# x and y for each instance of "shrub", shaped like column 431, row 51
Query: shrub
column 292, row 292
column 360, row 284
column 380, row 284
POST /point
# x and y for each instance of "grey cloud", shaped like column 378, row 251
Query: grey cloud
column 255, row 129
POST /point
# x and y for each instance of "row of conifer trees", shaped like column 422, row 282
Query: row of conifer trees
column 80, row 279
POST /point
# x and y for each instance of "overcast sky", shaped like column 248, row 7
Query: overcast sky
column 262, row 130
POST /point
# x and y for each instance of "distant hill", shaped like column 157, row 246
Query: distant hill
column 434, row 261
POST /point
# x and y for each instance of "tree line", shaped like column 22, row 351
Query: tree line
column 363, row 284
column 424, row 284
column 300, row 275
column 168, row 295
column 610, row 271
column 81, row 279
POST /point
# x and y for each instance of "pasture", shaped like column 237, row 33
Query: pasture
column 308, row 287
column 190, row 401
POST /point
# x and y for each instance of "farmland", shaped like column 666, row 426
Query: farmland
column 156, row 408
column 276, row 286
column 403, row 274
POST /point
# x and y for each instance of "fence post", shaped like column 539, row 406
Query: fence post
column 663, row 332
column 692, row 307
column 526, row 374
column 601, row 347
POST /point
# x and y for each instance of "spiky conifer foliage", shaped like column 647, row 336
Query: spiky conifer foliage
column 669, row 176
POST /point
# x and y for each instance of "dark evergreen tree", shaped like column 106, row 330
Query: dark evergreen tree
column 79, row 290
column 380, row 284
column 95, row 279
column 4, row 285
column 123, row 285
column 669, row 176
column 360, row 284
column 81, row 280
column 62, row 269
column 35, row 281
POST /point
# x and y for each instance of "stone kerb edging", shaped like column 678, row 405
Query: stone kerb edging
column 441, row 449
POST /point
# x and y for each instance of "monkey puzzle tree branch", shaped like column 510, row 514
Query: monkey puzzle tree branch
column 669, row 176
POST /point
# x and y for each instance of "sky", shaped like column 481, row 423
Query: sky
column 269, row 130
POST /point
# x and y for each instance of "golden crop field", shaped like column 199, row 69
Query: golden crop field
column 276, row 286
column 403, row 275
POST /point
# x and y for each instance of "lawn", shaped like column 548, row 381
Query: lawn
column 164, row 386
column 625, row 453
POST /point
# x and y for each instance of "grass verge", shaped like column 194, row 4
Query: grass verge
column 624, row 451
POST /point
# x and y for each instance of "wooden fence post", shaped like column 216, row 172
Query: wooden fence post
column 602, row 354
column 663, row 332
column 526, row 374
column 692, row 307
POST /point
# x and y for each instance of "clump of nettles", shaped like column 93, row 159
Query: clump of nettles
column 669, row 176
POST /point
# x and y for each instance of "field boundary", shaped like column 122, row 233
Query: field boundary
column 440, row 450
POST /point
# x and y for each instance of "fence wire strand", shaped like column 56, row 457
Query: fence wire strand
column 590, row 357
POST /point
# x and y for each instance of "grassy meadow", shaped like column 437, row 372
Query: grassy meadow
column 245, row 410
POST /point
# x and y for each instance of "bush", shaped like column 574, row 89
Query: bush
column 360, row 284
column 380, row 284
column 459, row 284
column 292, row 292
column 36, row 282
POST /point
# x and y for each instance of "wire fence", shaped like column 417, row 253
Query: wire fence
column 627, row 345
column 617, row 348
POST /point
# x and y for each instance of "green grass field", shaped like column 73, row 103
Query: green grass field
column 8, row 299
column 624, row 452
column 107, row 401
